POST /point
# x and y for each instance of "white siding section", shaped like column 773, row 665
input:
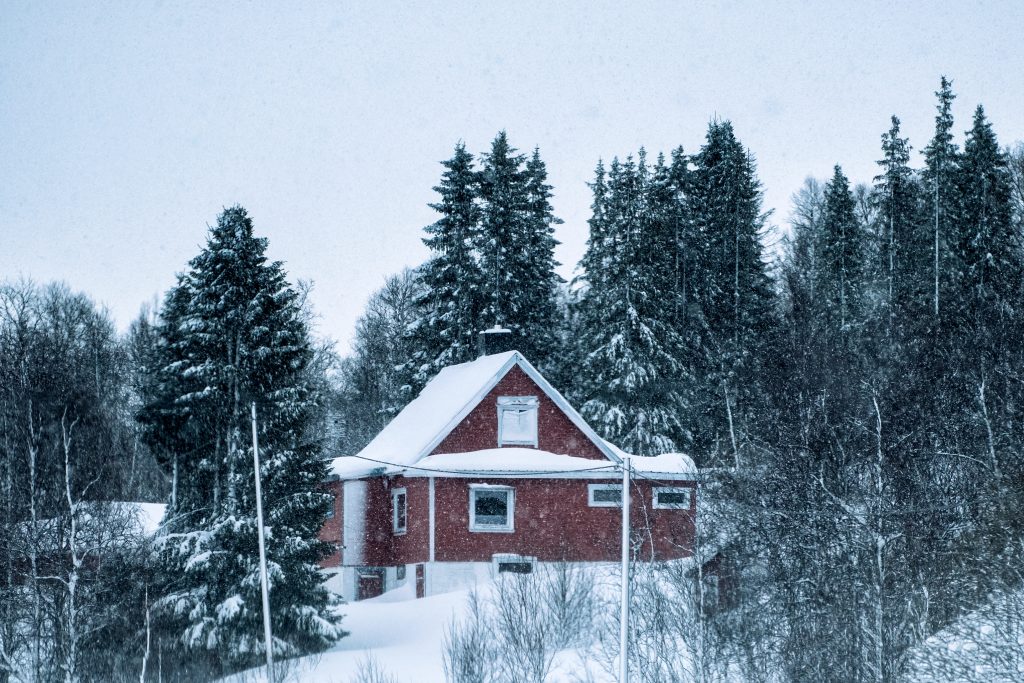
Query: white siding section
column 353, row 530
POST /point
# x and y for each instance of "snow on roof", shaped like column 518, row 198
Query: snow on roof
column 505, row 461
column 148, row 515
column 982, row 645
column 442, row 404
column 531, row 461
column 518, row 462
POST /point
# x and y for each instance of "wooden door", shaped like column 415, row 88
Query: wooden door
column 421, row 581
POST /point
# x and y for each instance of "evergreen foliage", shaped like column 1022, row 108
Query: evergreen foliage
column 232, row 332
column 631, row 385
column 938, row 177
column 492, row 263
column 516, row 248
column 736, row 295
column 451, row 297
column 987, row 250
column 903, row 245
column 842, row 271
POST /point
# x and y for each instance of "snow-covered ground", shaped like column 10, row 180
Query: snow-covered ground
column 983, row 646
column 404, row 637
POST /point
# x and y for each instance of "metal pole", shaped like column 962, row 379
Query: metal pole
column 624, row 612
column 264, row 585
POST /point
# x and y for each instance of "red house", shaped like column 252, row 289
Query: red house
column 490, row 470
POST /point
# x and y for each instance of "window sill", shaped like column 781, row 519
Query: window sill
column 492, row 530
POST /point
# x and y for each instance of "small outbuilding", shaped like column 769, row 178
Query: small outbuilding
column 491, row 470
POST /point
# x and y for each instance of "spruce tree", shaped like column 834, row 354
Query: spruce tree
column 737, row 298
column 630, row 369
column 841, row 272
column 541, row 316
column 904, row 245
column 983, row 357
column 450, row 301
column 987, row 248
column 938, row 176
column 502, row 238
column 232, row 333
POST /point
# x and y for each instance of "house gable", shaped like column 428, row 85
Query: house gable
column 556, row 431
column 451, row 397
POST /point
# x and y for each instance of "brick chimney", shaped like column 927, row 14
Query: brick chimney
column 495, row 340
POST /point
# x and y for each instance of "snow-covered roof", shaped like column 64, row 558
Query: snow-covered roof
column 519, row 462
column 500, row 462
column 985, row 645
column 441, row 406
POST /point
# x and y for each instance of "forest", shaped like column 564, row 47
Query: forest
column 851, row 384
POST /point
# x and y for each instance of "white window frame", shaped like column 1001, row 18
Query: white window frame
column 518, row 403
column 658, row 490
column 395, row 529
column 601, row 503
column 507, row 528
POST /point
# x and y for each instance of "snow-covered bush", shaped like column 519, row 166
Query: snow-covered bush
column 371, row 671
column 513, row 633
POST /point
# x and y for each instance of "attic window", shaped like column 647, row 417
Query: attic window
column 517, row 420
column 672, row 497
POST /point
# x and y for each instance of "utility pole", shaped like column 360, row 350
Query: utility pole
column 264, row 585
column 627, row 466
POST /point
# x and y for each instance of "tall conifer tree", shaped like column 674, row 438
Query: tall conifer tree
column 516, row 249
column 501, row 243
column 631, row 373
column 841, row 251
column 232, row 333
column 904, row 246
column 987, row 248
column 940, row 166
column 737, row 300
column 452, row 293
column 542, row 319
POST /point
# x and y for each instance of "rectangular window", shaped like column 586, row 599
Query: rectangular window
column 511, row 563
column 673, row 497
column 398, row 511
column 605, row 495
column 330, row 508
column 517, row 420
column 491, row 508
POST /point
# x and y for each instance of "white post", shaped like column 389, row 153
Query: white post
column 624, row 611
column 264, row 586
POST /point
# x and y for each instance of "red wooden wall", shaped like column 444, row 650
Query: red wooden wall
column 555, row 432
column 554, row 522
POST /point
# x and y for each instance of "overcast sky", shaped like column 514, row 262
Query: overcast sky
column 126, row 127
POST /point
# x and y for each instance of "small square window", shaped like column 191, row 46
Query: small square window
column 673, row 497
column 604, row 495
column 517, row 420
column 398, row 511
column 491, row 508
